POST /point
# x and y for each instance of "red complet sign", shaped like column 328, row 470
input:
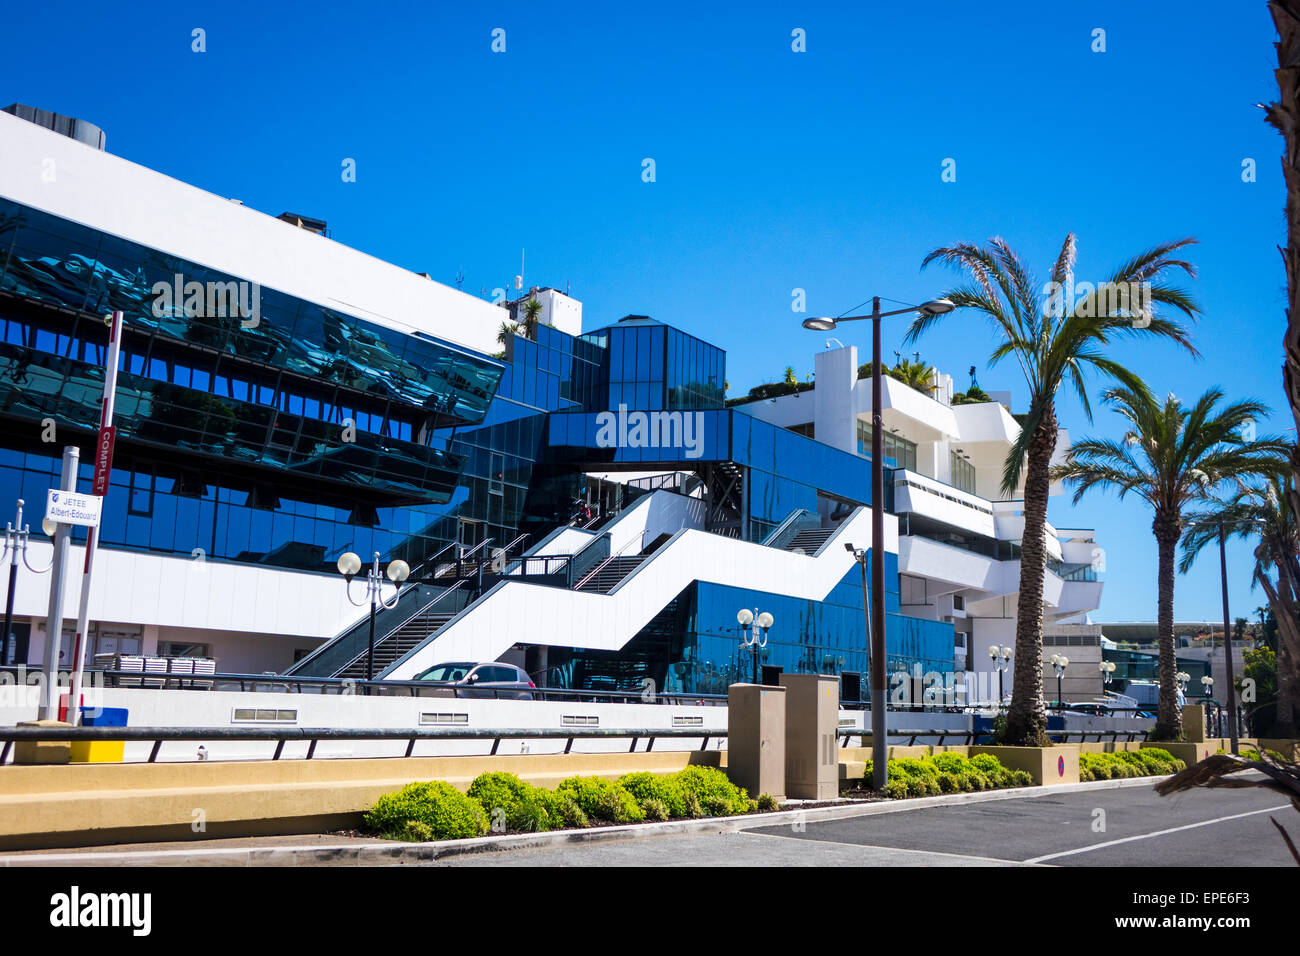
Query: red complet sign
column 103, row 460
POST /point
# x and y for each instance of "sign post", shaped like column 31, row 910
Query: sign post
column 49, row 706
column 99, row 488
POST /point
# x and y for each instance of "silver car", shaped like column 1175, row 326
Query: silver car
column 491, row 679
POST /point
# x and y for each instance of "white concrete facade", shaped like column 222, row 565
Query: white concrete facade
column 958, row 546
column 57, row 174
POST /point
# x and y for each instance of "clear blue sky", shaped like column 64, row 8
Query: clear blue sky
column 775, row 169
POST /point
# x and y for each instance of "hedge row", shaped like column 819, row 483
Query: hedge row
column 1147, row 762
column 947, row 773
column 502, row 803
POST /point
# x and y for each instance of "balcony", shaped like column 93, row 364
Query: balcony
column 917, row 494
column 1009, row 520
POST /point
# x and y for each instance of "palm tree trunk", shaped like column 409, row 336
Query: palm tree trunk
column 1285, row 116
column 1285, row 614
column 1169, row 719
column 1027, row 718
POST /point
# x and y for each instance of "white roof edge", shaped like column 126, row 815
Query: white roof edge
column 61, row 176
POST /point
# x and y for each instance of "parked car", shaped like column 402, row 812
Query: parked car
column 490, row 679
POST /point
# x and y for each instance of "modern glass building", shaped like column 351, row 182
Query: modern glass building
column 579, row 503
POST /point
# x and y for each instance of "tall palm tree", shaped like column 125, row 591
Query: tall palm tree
column 1173, row 457
column 1284, row 115
column 1054, row 341
column 1262, row 512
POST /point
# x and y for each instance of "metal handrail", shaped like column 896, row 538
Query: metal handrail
column 413, row 688
column 312, row 735
column 784, row 525
column 406, row 586
column 438, row 597
column 596, row 570
column 970, row 735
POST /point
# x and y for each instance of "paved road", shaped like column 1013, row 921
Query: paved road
column 1199, row 828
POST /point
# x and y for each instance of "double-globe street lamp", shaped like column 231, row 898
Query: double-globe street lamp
column 15, row 546
column 879, row 753
column 751, row 622
column 398, row 571
column 1001, row 657
column 1059, row 664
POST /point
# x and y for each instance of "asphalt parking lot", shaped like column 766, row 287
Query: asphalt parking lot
column 1122, row 827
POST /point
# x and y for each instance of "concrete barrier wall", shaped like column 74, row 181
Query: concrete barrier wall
column 95, row 804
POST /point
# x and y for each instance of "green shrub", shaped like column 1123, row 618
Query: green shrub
column 986, row 764
column 601, row 799
column 655, row 809
column 949, row 782
column 914, row 767
column 767, row 802
column 706, row 782
column 448, row 813
column 896, row 788
column 417, row 831
column 646, row 786
column 570, row 814
column 716, row 805
column 951, row 763
column 1085, row 774
column 1022, row 778
column 526, row 808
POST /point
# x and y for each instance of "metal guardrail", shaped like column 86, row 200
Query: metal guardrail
column 312, row 735
column 969, row 736
column 342, row 686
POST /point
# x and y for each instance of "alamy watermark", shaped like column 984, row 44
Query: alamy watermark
column 1088, row 300
column 212, row 300
column 626, row 429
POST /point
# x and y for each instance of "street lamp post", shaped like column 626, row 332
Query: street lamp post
column 1001, row 657
column 15, row 547
column 1059, row 664
column 877, row 631
column 755, row 621
column 398, row 571
column 1227, row 642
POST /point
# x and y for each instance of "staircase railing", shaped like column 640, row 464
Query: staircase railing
column 778, row 536
column 597, row 569
column 424, row 610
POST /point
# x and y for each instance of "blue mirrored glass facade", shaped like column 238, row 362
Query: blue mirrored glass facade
column 277, row 432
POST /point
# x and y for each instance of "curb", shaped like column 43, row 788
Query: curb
column 398, row 854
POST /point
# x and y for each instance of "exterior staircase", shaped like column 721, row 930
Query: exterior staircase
column 809, row 540
column 397, row 644
column 611, row 573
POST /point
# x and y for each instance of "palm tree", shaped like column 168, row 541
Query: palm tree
column 1284, row 115
column 1262, row 512
column 1172, row 457
column 1054, row 342
column 917, row 375
column 532, row 308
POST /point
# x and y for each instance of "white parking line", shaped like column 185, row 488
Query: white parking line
column 1147, row 836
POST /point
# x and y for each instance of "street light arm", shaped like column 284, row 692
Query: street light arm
column 28, row 564
column 882, row 315
column 384, row 605
column 348, row 590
